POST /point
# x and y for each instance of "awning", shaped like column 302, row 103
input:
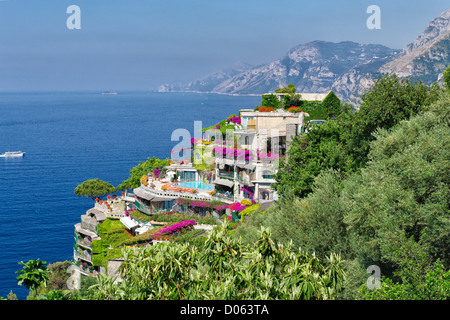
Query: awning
column 240, row 165
column 228, row 162
column 128, row 223
column 99, row 215
column 250, row 166
column 148, row 196
column 143, row 194
column 157, row 199
column 224, row 182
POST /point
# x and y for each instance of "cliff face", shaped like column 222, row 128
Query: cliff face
column 347, row 68
column 311, row 67
column 433, row 30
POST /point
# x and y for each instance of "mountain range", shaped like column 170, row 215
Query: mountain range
column 348, row 68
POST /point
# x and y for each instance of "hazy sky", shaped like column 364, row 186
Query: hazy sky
column 140, row 44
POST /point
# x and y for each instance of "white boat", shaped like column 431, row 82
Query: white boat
column 12, row 154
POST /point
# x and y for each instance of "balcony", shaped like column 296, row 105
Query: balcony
column 226, row 174
column 84, row 242
column 143, row 208
column 86, row 269
column 224, row 196
column 243, row 180
column 84, row 256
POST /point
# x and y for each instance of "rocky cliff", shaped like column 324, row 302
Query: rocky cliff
column 347, row 68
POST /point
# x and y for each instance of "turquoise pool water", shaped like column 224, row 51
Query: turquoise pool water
column 194, row 185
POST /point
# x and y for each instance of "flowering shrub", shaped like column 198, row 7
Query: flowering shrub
column 246, row 202
column 265, row 109
column 268, row 156
column 233, row 153
column 177, row 227
column 156, row 172
column 294, row 109
column 128, row 212
column 237, row 207
column 220, row 207
column 235, row 120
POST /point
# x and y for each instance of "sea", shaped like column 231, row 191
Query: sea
column 70, row 137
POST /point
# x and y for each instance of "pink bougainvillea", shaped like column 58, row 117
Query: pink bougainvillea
column 177, row 227
column 236, row 120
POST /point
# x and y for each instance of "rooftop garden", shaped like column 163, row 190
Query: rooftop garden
column 112, row 233
column 171, row 216
column 293, row 102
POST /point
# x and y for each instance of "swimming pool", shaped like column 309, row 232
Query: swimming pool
column 194, row 185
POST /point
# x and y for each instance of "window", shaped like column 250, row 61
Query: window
column 267, row 174
column 264, row 195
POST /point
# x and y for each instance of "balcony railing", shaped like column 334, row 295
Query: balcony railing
column 83, row 242
column 83, row 257
column 224, row 196
column 87, row 269
column 243, row 180
column 226, row 174
column 143, row 208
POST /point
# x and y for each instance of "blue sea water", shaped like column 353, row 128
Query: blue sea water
column 70, row 137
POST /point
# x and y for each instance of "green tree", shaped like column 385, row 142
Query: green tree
column 33, row 274
column 433, row 285
column 392, row 213
column 94, row 188
column 388, row 102
column 321, row 148
column 143, row 168
column 402, row 193
column 331, row 104
column 291, row 98
column 270, row 101
column 58, row 275
column 290, row 88
column 446, row 78
column 344, row 143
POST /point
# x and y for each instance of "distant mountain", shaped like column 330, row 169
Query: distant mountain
column 209, row 82
column 428, row 55
column 347, row 68
column 311, row 67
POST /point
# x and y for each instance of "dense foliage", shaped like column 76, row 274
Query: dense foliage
column 270, row 101
column 393, row 212
column 33, row 274
column 371, row 187
column 94, row 188
column 331, row 105
column 343, row 143
column 222, row 268
column 446, row 78
column 143, row 168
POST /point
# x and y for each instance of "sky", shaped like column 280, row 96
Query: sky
column 141, row 44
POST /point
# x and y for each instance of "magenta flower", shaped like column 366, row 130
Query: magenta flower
column 175, row 227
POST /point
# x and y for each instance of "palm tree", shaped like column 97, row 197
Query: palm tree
column 33, row 274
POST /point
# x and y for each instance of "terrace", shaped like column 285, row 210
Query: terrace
column 163, row 191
